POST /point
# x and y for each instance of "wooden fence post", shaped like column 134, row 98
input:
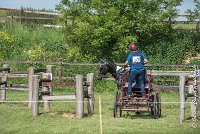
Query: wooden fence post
column 4, row 78
column 182, row 97
column 197, row 26
column 198, row 89
column 35, row 99
column 192, row 107
column 79, row 97
column 46, row 105
column 48, row 88
column 50, row 70
column 30, row 85
column 90, row 79
column 191, row 99
column 60, row 71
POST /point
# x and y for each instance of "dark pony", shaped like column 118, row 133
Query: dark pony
column 120, row 74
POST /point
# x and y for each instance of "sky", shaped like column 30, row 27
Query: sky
column 36, row 4
column 50, row 4
column 187, row 4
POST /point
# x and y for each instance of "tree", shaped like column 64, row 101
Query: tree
column 104, row 28
column 195, row 14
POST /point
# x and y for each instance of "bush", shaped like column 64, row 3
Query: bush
column 195, row 61
column 181, row 46
column 6, row 45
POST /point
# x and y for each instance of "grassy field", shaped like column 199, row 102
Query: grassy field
column 184, row 26
column 15, row 118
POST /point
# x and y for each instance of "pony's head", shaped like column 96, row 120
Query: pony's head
column 103, row 69
column 106, row 67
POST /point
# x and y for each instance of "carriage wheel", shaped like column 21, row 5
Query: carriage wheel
column 152, row 104
column 157, row 106
column 117, row 111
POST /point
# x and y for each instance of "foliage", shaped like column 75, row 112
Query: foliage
column 183, row 45
column 33, row 44
column 6, row 44
column 195, row 61
column 103, row 28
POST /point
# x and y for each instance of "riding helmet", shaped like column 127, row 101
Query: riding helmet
column 133, row 47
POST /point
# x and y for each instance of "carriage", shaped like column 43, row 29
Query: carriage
column 150, row 103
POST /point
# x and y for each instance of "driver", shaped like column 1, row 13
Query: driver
column 136, row 60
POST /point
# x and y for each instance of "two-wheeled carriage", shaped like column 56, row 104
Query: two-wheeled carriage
column 150, row 103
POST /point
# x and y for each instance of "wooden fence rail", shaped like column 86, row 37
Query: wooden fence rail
column 29, row 18
column 89, row 64
column 5, row 74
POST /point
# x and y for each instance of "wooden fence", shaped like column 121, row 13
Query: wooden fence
column 35, row 82
column 6, row 73
column 183, row 76
column 78, row 96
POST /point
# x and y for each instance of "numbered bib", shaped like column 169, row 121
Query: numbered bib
column 197, row 73
column 136, row 59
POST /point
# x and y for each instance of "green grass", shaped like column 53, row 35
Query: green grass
column 16, row 118
column 33, row 42
column 184, row 26
column 3, row 13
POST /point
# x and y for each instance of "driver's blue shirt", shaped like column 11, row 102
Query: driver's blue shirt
column 138, row 60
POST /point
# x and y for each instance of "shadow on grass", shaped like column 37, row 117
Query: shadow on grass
column 140, row 115
column 190, row 118
column 18, row 104
column 65, row 114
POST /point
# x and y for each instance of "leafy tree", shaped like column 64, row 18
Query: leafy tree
column 104, row 28
column 195, row 14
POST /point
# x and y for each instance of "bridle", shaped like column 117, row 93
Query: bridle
column 102, row 71
column 119, row 75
